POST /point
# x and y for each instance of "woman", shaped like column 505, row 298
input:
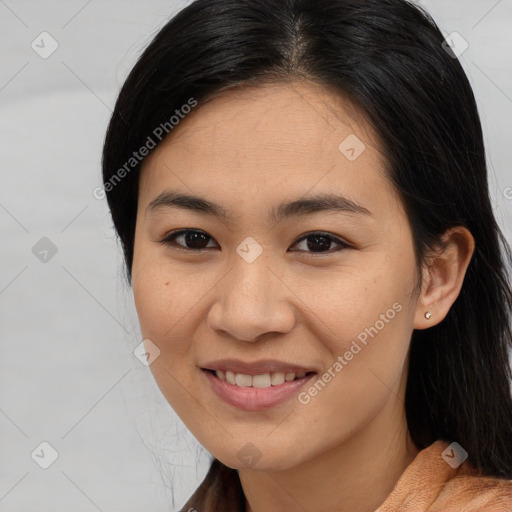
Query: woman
column 301, row 195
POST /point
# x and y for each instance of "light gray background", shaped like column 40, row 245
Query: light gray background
column 67, row 326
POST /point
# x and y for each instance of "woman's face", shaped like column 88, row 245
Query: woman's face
column 297, row 258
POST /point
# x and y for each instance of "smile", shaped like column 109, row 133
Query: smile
column 255, row 392
column 264, row 380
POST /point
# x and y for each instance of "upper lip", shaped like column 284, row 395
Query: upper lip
column 255, row 368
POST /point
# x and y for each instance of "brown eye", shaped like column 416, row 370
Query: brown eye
column 320, row 243
column 188, row 239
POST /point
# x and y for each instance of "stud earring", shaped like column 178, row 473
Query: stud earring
column 428, row 314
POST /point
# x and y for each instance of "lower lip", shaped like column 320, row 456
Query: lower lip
column 255, row 399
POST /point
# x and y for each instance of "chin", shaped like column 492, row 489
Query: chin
column 263, row 458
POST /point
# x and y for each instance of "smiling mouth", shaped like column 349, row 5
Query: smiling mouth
column 264, row 380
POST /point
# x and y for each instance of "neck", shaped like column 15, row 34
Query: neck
column 355, row 476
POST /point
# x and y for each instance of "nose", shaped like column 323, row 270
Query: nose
column 252, row 301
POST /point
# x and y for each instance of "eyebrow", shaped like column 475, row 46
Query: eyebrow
column 304, row 206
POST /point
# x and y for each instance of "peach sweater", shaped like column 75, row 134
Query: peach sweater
column 429, row 484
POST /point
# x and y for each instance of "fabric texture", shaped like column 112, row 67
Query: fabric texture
column 429, row 484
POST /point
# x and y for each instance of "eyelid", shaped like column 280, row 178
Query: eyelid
column 168, row 239
column 343, row 244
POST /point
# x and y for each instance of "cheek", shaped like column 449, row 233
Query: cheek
column 373, row 321
column 364, row 322
column 365, row 317
column 161, row 300
column 352, row 299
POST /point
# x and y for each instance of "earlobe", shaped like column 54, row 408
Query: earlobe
column 443, row 277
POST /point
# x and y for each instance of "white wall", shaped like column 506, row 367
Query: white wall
column 67, row 326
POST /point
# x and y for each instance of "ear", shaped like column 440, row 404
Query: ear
column 443, row 275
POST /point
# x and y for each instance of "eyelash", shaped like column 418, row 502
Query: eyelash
column 170, row 238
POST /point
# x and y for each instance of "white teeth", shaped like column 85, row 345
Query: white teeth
column 261, row 381
column 243, row 380
column 264, row 380
column 277, row 378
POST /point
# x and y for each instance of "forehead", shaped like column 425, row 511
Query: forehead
column 269, row 140
column 300, row 112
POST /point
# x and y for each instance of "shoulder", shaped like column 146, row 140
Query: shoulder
column 436, row 481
